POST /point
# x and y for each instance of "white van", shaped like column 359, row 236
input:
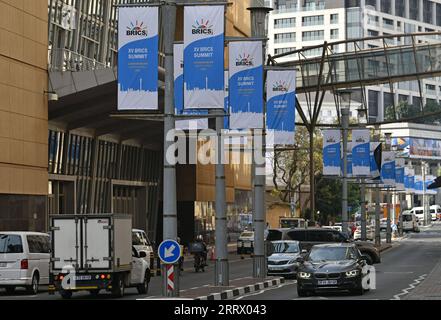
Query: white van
column 24, row 260
column 419, row 212
column 142, row 243
column 435, row 212
column 410, row 221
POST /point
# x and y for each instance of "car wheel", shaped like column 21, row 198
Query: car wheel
column 118, row 287
column 10, row 290
column 144, row 287
column 66, row 294
column 33, row 288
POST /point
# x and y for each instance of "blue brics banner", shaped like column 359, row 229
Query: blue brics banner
column 246, row 84
column 193, row 124
column 399, row 175
column 281, row 107
column 388, row 169
column 350, row 163
column 429, row 180
column 138, row 51
column 375, row 171
column 331, row 152
column 204, row 57
column 419, row 185
column 361, row 153
column 409, row 180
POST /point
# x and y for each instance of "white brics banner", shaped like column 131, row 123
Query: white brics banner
column 399, row 174
column 190, row 124
column 388, row 169
column 246, row 84
column 331, row 152
column 361, row 153
column 281, row 107
column 204, row 57
column 138, row 50
column 409, row 180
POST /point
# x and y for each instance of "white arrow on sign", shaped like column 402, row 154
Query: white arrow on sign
column 169, row 251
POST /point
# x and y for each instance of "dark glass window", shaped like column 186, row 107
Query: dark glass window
column 385, row 6
column 10, row 244
column 399, row 8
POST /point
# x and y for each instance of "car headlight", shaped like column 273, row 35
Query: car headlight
column 304, row 275
column 352, row 273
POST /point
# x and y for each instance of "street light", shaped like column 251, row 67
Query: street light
column 345, row 105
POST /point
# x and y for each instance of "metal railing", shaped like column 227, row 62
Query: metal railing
column 66, row 60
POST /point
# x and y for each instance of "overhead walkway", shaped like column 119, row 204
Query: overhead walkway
column 368, row 61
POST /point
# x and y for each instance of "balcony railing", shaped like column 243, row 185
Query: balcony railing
column 66, row 60
column 313, row 7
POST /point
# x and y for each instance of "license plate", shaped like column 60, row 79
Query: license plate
column 276, row 268
column 83, row 278
column 3, row 264
column 327, row 282
column 247, row 244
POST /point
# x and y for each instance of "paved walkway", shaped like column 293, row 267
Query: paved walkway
column 430, row 289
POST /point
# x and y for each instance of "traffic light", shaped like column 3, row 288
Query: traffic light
column 436, row 184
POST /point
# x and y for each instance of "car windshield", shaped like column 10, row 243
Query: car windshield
column 331, row 254
column 247, row 234
column 407, row 217
column 10, row 244
column 285, row 247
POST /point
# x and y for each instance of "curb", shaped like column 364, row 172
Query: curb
column 228, row 294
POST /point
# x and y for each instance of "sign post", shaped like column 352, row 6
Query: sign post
column 169, row 252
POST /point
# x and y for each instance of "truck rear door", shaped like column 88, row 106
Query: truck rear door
column 96, row 243
column 66, row 241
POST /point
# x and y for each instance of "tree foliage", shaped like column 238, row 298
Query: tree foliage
column 406, row 111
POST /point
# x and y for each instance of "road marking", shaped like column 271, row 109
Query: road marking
column 411, row 287
column 268, row 289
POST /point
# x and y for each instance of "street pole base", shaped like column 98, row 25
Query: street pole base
column 166, row 292
column 221, row 273
column 259, row 267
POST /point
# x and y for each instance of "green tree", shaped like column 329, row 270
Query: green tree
column 407, row 111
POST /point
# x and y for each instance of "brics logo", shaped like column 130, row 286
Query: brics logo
column 280, row 86
column 202, row 28
column 245, row 60
column 137, row 29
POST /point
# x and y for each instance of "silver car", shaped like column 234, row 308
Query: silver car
column 282, row 262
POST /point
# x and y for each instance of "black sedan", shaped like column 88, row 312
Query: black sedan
column 332, row 267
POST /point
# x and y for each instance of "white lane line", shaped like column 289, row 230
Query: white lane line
column 410, row 288
column 268, row 289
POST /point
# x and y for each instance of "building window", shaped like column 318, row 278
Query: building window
column 372, row 33
column 285, row 23
column 373, row 103
column 284, row 50
column 438, row 14
column 388, row 23
column 313, row 35
column 372, row 3
column 413, row 9
column 427, row 11
column 399, row 8
column 334, row 18
column 285, row 37
column 312, row 21
column 334, row 33
column 385, row 6
column 431, row 88
column 403, row 98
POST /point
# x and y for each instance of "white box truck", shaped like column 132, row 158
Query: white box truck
column 94, row 253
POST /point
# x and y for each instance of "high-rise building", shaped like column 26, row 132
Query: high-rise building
column 295, row 24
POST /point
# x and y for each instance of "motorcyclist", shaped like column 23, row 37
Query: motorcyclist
column 200, row 239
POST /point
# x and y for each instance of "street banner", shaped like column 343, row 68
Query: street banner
column 375, row 170
column 361, row 153
column 388, row 169
column 193, row 124
column 419, row 185
column 429, row 180
column 246, row 84
column 227, row 100
column 399, row 175
column 204, row 57
column 409, row 180
column 138, row 58
column 331, row 152
column 350, row 171
column 281, row 106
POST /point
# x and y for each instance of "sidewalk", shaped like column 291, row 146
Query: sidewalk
column 430, row 289
column 238, row 287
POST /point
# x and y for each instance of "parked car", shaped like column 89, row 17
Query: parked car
column 313, row 236
column 370, row 233
column 383, row 224
column 331, row 267
column 410, row 222
column 435, row 212
column 282, row 261
column 245, row 243
column 142, row 243
column 24, row 260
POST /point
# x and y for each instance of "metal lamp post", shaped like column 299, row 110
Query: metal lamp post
column 345, row 101
column 388, row 137
column 362, row 121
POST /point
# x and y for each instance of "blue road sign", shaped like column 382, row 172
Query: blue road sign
column 169, row 251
